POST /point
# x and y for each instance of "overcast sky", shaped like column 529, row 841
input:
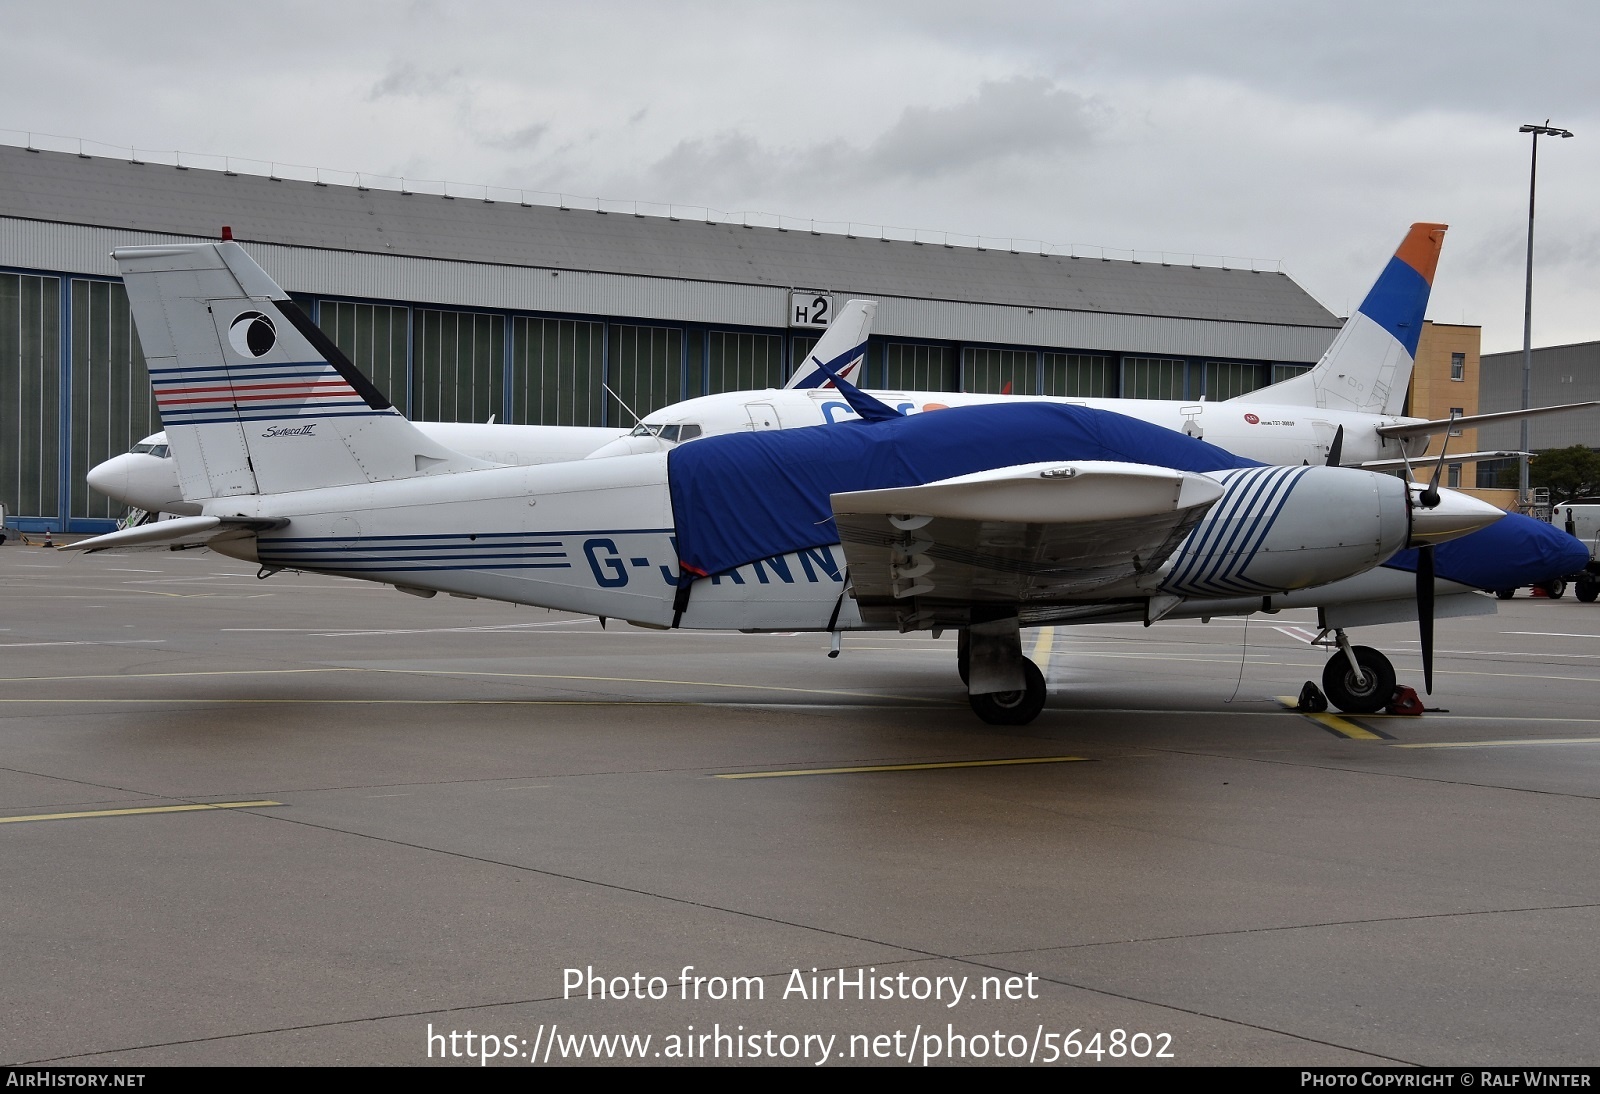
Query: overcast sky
column 1259, row 128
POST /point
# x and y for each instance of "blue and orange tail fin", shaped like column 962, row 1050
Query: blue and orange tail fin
column 1368, row 367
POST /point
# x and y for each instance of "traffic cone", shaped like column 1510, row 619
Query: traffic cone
column 49, row 540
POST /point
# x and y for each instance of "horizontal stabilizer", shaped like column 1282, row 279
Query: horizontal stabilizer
column 1420, row 429
column 179, row 532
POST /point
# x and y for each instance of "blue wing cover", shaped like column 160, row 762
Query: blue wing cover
column 1512, row 552
column 742, row 497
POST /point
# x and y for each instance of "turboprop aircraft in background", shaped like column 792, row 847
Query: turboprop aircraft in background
column 987, row 518
column 1344, row 410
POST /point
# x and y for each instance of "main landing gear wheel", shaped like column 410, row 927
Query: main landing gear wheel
column 1556, row 589
column 1367, row 697
column 1587, row 589
column 1504, row 594
column 1018, row 708
column 963, row 654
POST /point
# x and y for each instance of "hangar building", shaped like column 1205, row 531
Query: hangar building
column 461, row 307
column 1561, row 374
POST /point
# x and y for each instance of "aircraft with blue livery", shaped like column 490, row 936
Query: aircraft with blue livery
column 984, row 519
column 1346, row 409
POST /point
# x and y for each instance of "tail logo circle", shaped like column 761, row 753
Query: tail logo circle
column 252, row 334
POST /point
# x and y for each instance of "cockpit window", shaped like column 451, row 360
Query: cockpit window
column 141, row 448
column 160, row 450
column 673, row 433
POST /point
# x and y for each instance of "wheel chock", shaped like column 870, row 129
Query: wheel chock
column 1312, row 701
column 1405, row 701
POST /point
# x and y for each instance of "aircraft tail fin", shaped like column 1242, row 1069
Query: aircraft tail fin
column 842, row 347
column 254, row 398
column 1368, row 367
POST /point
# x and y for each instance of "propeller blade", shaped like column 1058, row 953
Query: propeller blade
column 1336, row 449
column 1430, row 496
column 1425, row 613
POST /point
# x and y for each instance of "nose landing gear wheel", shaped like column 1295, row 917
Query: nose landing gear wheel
column 1016, row 708
column 1367, row 697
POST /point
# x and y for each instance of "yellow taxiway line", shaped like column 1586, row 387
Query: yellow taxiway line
column 1041, row 647
column 904, row 767
column 1341, row 727
column 135, row 812
column 1507, row 744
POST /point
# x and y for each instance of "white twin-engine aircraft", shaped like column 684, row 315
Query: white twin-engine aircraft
column 1345, row 410
column 983, row 518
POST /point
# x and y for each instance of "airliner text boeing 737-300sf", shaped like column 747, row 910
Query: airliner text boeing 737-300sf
column 983, row 518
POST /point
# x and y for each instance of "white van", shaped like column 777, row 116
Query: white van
column 1581, row 518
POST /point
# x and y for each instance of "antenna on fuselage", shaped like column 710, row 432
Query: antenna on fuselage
column 636, row 419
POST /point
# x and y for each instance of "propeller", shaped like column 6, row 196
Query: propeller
column 1336, row 449
column 1425, row 612
column 1428, row 499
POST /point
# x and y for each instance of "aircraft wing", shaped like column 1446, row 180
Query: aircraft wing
column 1029, row 534
column 1420, row 429
column 1429, row 461
column 178, row 533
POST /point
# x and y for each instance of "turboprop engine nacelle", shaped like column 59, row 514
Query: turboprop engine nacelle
column 1281, row 528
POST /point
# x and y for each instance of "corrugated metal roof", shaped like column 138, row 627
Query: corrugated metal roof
column 113, row 193
column 46, row 246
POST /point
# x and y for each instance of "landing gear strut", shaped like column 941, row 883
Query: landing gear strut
column 989, row 659
column 1013, row 708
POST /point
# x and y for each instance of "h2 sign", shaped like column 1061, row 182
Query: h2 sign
column 808, row 309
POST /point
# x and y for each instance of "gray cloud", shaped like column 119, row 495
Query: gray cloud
column 519, row 140
column 1020, row 118
column 409, row 80
column 1024, row 116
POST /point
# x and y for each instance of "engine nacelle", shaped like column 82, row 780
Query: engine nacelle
column 1283, row 528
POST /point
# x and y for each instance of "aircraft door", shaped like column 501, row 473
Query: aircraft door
column 1191, row 420
column 763, row 416
column 1322, row 434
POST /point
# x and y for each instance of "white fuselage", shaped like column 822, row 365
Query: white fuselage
column 1271, row 433
column 597, row 537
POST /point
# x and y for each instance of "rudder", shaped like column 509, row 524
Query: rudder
column 254, row 398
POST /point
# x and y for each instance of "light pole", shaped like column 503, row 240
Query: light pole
column 1536, row 131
